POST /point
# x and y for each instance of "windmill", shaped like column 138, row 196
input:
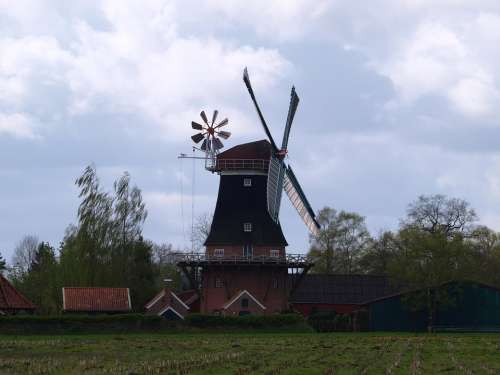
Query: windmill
column 245, row 267
column 280, row 175
column 209, row 134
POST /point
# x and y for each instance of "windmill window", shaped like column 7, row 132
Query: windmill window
column 244, row 302
column 247, row 182
column 218, row 252
column 247, row 227
column 218, row 282
column 275, row 253
column 247, row 250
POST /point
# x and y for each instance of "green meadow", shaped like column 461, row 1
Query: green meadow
column 251, row 353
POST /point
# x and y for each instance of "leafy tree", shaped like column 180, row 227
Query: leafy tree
column 165, row 267
column 40, row 282
column 483, row 261
column 141, row 277
column 106, row 247
column 340, row 243
column 3, row 264
column 379, row 254
column 433, row 250
column 43, row 277
column 129, row 213
column 95, row 226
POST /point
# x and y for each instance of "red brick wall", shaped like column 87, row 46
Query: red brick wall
column 258, row 280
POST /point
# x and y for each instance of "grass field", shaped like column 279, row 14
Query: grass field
column 251, row 354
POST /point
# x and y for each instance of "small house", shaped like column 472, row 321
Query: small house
column 12, row 301
column 168, row 304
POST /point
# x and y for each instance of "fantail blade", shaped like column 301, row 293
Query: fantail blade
column 224, row 134
column 222, row 123
column 204, row 117
column 214, row 117
column 197, row 138
column 196, row 126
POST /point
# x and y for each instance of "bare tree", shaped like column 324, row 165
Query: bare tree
column 163, row 254
column 440, row 214
column 201, row 231
column 24, row 253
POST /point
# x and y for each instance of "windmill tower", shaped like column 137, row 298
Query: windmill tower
column 245, row 268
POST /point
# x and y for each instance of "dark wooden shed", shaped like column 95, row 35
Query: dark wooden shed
column 473, row 307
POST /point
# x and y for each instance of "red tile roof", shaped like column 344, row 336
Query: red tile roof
column 166, row 298
column 188, row 296
column 11, row 299
column 96, row 299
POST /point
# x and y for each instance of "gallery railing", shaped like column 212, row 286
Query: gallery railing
column 251, row 259
column 238, row 164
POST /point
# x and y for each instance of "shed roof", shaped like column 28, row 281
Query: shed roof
column 96, row 299
column 398, row 293
column 342, row 289
column 11, row 298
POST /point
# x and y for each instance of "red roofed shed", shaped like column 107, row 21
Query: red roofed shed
column 97, row 300
column 11, row 301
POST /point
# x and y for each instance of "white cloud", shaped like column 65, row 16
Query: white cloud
column 443, row 49
column 138, row 63
column 27, row 62
column 279, row 19
column 475, row 97
column 17, row 125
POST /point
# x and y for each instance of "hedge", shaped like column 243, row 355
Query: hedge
column 19, row 324
column 33, row 324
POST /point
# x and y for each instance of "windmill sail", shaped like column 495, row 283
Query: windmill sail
column 246, row 79
column 275, row 177
column 299, row 201
column 294, row 102
column 279, row 176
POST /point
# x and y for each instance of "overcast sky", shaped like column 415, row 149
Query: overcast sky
column 398, row 98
